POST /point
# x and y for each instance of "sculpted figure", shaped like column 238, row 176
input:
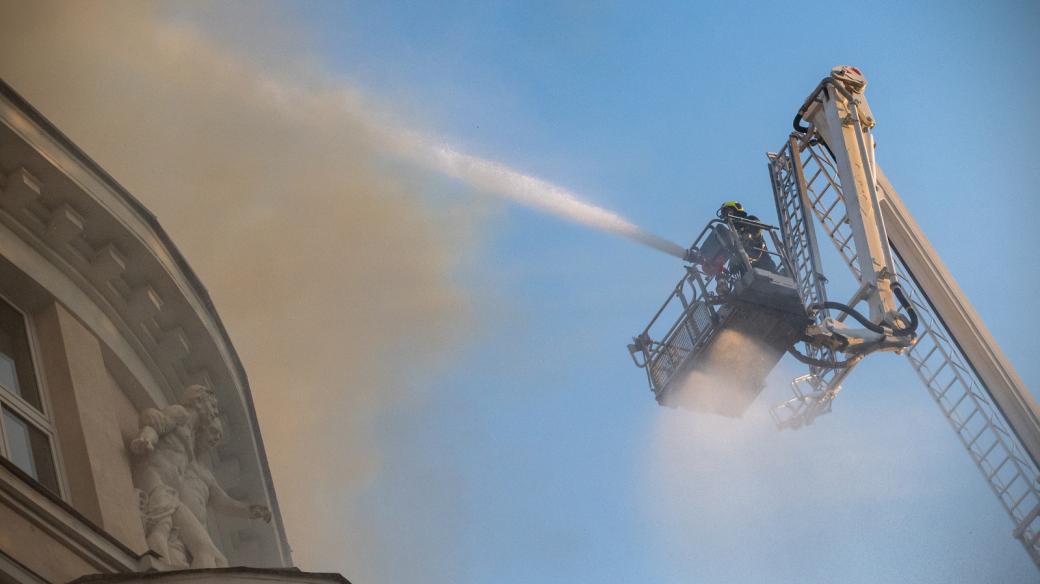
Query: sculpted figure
column 176, row 488
column 200, row 490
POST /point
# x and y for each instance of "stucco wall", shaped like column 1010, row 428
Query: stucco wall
column 94, row 421
column 38, row 550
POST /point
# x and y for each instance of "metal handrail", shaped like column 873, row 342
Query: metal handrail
column 703, row 294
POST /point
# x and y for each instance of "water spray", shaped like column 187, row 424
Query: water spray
column 500, row 180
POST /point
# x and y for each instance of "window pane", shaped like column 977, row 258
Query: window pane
column 16, row 368
column 29, row 449
column 19, row 446
column 8, row 374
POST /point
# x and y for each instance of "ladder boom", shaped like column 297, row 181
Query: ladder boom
column 828, row 169
column 839, row 114
column 969, row 333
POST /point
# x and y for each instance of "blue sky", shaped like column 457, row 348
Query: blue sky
column 531, row 449
column 538, row 454
column 556, row 451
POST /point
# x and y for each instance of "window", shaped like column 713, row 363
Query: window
column 25, row 429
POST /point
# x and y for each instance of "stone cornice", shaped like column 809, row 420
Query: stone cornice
column 62, row 522
column 146, row 305
column 236, row 574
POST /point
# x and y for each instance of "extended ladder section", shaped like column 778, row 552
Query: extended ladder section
column 979, row 424
column 985, row 401
column 987, row 405
column 795, row 197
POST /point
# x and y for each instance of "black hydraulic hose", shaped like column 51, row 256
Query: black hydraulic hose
column 819, row 362
column 828, row 148
column 798, row 127
column 900, row 332
column 909, row 329
column 853, row 313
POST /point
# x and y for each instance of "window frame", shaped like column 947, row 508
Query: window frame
column 42, row 419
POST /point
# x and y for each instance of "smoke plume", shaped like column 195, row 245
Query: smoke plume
column 325, row 268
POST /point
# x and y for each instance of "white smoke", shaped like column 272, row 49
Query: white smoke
column 264, row 183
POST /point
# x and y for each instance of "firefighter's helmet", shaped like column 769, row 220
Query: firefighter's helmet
column 731, row 208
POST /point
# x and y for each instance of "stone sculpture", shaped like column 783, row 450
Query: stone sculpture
column 177, row 488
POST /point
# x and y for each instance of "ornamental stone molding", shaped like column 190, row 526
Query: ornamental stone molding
column 70, row 227
column 218, row 575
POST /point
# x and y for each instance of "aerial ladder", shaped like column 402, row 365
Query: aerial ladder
column 732, row 317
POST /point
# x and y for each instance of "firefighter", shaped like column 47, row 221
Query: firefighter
column 750, row 236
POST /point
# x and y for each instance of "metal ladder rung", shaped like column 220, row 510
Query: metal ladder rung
column 979, row 435
column 933, row 369
column 996, row 442
column 917, row 353
column 936, row 373
column 839, row 221
column 819, row 197
column 839, row 203
column 957, row 403
column 1033, row 538
column 948, row 386
column 935, row 348
column 827, row 214
column 1026, row 494
column 819, row 201
column 1002, row 433
column 1014, row 479
column 989, row 477
column 828, row 217
column 814, row 177
column 938, row 334
column 968, row 419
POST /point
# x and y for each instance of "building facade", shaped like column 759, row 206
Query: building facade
column 128, row 438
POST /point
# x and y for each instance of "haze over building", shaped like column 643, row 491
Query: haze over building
column 129, row 439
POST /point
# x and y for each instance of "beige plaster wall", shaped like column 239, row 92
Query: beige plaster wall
column 38, row 550
column 94, row 421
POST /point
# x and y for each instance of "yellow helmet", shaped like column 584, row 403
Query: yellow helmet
column 730, row 208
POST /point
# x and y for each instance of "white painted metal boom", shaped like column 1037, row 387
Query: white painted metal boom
column 966, row 328
column 828, row 170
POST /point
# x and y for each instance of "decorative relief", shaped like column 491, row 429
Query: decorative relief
column 177, row 490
